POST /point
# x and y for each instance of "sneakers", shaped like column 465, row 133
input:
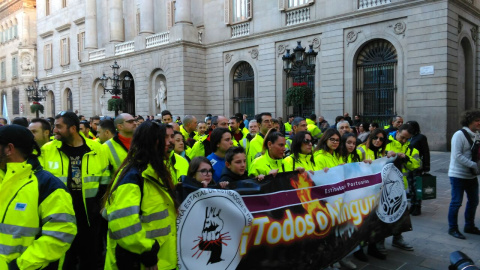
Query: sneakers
column 472, row 230
column 455, row 233
column 345, row 262
column 400, row 243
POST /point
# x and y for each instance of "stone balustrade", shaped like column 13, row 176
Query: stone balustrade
column 372, row 3
column 241, row 29
column 157, row 39
column 96, row 54
column 125, row 47
column 297, row 16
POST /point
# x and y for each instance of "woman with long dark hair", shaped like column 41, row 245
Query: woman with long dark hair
column 348, row 148
column 141, row 206
column 301, row 153
column 374, row 147
column 326, row 153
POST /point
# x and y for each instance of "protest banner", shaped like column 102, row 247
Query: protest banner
column 293, row 220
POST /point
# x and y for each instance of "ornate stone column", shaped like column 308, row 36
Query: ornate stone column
column 183, row 28
column 183, row 9
column 146, row 17
column 91, row 25
column 115, row 7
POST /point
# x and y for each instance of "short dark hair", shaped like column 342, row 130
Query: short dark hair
column 259, row 116
column 216, row 137
column 96, row 117
column 140, row 117
column 415, row 126
column 296, row 121
column 313, row 117
column 22, row 121
column 3, row 119
column 70, row 119
column 375, row 125
column 275, row 120
column 80, row 116
column 468, row 117
column 395, row 118
column 85, row 123
column 166, row 112
column 108, row 125
column 408, row 128
column 194, row 164
column 339, row 118
column 235, row 118
column 232, row 152
column 45, row 124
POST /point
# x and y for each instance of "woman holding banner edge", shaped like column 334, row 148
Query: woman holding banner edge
column 271, row 161
column 326, row 154
column 302, row 155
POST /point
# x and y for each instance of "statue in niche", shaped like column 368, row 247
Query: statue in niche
column 27, row 63
column 102, row 102
column 161, row 97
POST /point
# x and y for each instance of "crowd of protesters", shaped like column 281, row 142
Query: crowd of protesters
column 120, row 180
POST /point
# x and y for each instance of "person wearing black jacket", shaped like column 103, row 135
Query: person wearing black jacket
column 235, row 165
column 420, row 142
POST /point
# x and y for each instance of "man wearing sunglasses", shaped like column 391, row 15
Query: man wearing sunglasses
column 82, row 166
column 118, row 146
column 408, row 159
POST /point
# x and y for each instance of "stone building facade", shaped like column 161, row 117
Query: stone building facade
column 376, row 58
column 17, row 55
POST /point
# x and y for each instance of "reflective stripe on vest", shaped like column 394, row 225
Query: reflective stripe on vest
column 63, row 179
column 114, row 153
column 124, row 212
column 158, row 232
column 62, row 217
column 64, row 237
column 130, row 230
column 17, row 231
column 155, row 216
column 91, row 192
column 7, row 250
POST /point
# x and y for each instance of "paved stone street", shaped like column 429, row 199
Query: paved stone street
column 429, row 237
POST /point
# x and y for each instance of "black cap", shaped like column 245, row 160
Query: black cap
column 17, row 135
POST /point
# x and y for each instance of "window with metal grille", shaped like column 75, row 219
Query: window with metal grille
column 244, row 90
column 15, row 101
column 376, row 85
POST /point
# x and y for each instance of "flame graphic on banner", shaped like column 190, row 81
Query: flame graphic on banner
column 304, row 192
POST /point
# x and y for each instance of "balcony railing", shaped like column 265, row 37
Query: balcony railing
column 372, row 3
column 97, row 54
column 239, row 30
column 157, row 39
column 297, row 16
column 125, row 47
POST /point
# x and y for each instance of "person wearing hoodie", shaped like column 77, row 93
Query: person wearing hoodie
column 235, row 165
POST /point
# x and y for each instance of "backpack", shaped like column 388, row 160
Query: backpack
column 474, row 146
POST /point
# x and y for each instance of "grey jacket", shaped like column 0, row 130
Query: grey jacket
column 461, row 155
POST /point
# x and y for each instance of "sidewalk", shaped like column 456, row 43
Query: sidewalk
column 429, row 237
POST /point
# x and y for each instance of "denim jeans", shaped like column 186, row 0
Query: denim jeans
column 459, row 186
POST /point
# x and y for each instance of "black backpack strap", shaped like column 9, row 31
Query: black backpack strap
column 469, row 139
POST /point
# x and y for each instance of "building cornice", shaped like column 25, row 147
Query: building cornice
column 9, row 8
column 79, row 21
column 46, row 34
column 63, row 27
column 46, row 80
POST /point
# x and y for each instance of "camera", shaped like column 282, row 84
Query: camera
column 460, row 261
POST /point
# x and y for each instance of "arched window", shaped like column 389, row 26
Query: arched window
column 69, row 100
column 244, row 90
column 15, row 101
column 376, row 81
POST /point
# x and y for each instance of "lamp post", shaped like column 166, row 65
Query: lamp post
column 36, row 94
column 115, row 82
column 300, row 64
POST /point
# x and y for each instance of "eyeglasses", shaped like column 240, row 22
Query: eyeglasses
column 379, row 138
column 334, row 140
column 307, row 141
column 130, row 121
column 204, row 172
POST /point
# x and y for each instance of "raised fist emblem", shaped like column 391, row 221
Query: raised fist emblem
column 212, row 238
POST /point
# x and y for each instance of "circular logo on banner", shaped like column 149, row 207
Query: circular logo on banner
column 209, row 228
column 393, row 201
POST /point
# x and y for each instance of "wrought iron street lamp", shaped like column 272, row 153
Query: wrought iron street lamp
column 116, row 82
column 36, row 94
column 299, row 64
